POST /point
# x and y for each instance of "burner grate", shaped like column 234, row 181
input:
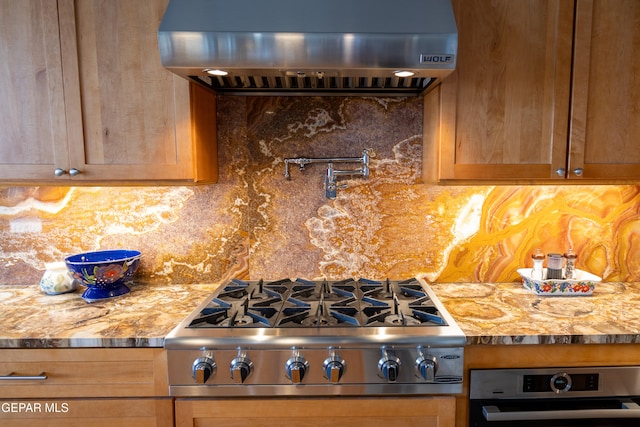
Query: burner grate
column 303, row 303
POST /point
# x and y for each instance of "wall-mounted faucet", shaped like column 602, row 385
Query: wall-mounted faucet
column 331, row 179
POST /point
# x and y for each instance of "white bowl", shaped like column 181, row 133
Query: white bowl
column 583, row 284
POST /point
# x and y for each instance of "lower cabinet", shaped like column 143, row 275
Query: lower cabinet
column 84, row 386
column 320, row 412
column 151, row 412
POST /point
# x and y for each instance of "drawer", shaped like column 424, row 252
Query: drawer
column 95, row 372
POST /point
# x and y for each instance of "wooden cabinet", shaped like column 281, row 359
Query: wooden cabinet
column 503, row 114
column 77, row 387
column 320, row 412
column 119, row 116
column 605, row 113
column 516, row 109
column 136, row 117
column 87, row 412
column 33, row 129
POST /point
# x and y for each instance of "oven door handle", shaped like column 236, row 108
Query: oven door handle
column 628, row 409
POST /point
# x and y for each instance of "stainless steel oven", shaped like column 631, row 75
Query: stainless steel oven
column 554, row 397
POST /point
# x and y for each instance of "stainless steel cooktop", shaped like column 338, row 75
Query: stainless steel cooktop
column 317, row 338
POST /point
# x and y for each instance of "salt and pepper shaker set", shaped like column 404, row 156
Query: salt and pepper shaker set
column 554, row 265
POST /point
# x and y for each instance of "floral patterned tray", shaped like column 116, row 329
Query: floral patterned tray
column 583, row 284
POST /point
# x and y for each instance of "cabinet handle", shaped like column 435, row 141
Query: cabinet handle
column 560, row 172
column 74, row 172
column 12, row 377
column 59, row 172
column 578, row 171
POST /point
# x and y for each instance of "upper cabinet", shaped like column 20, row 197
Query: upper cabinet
column 605, row 103
column 516, row 108
column 108, row 110
column 33, row 128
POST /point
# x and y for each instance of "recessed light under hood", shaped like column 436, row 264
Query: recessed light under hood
column 325, row 47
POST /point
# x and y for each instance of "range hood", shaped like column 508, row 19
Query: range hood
column 325, row 47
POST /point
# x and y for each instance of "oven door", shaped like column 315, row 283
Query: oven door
column 610, row 412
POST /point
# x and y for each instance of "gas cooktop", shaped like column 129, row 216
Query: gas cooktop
column 302, row 303
column 281, row 312
column 301, row 337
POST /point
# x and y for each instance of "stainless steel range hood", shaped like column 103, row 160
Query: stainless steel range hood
column 330, row 47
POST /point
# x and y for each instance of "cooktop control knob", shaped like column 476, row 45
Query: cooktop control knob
column 241, row 368
column 560, row 382
column 296, row 368
column 426, row 367
column 389, row 366
column 333, row 368
column 203, row 368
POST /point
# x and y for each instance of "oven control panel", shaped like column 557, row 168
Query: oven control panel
column 316, row 371
column 560, row 382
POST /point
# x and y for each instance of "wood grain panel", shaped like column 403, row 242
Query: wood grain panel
column 506, row 105
column 337, row 412
column 606, row 91
column 89, row 412
column 84, row 373
column 33, row 135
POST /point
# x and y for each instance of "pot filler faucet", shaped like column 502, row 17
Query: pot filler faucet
column 331, row 179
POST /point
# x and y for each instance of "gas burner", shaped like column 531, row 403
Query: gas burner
column 243, row 321
column 399, row 320
column 319, row 321
column 317, row 304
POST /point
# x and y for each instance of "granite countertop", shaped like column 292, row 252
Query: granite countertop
column 141, row 318
column 488, row 313
column 507, row 313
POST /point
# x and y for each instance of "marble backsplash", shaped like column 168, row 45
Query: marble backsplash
column 254, row 223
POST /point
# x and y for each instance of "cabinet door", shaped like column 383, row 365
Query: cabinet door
column 87, row 412
column 504, row 111
column 135, row 115
column 334, row 412
column 33, row 134
column 605, row 118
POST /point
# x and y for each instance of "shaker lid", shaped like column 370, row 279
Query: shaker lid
column 537, row 255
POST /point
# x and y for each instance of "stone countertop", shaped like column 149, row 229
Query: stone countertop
column 507, row 313
column 488, row 313
column 141, row 318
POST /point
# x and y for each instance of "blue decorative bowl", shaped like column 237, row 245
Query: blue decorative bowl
column 104, row 273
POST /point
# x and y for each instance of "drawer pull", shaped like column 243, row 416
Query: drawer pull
column 12, row 377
